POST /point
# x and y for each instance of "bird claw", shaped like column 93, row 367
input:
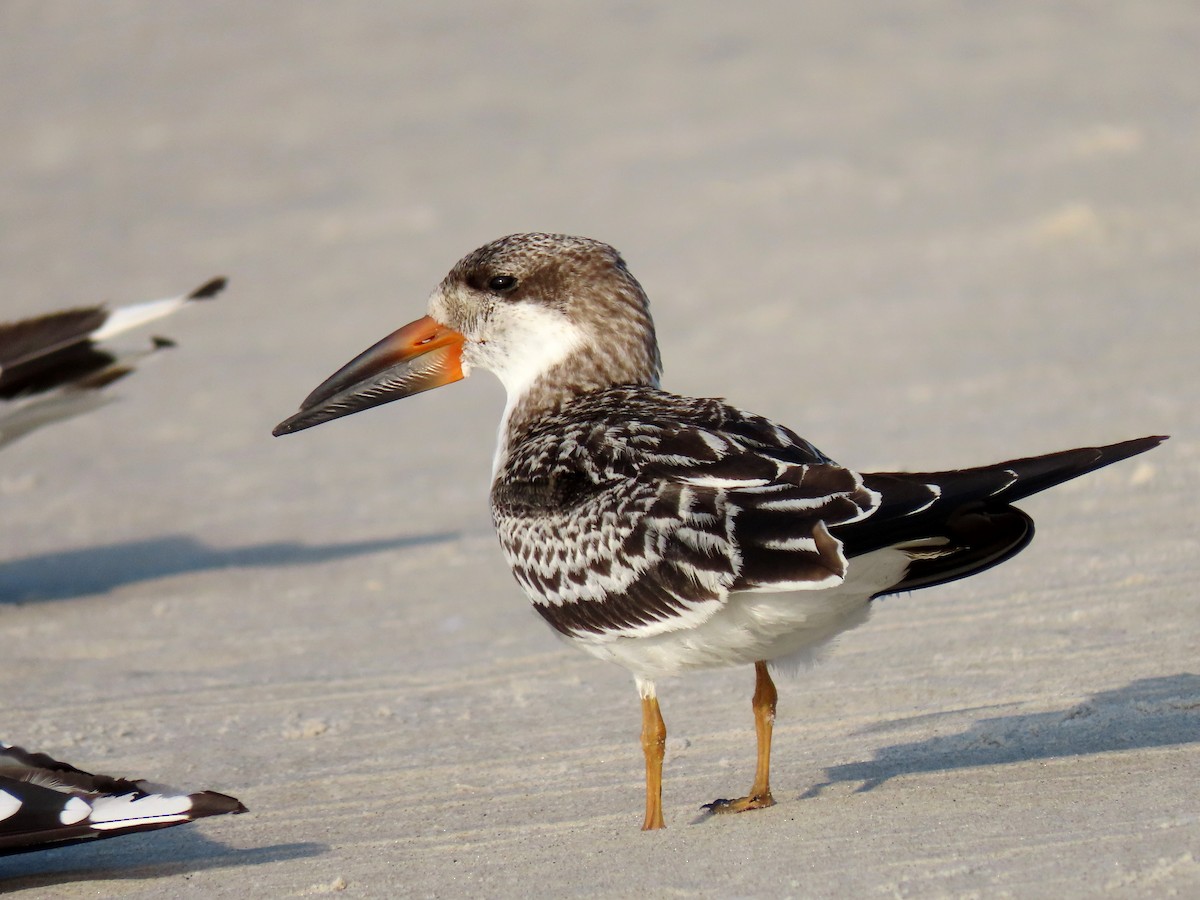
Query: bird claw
column 741, row 804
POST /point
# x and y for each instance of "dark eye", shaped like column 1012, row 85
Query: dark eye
column 502, row 283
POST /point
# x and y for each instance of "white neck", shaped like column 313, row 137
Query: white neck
column 546, row 339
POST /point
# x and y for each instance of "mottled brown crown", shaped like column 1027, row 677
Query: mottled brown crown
column 588, row 281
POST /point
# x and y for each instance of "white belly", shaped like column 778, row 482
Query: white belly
column 787, row 629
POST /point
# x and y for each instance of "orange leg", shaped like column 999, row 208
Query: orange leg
column 654, row 742
column 765, row 698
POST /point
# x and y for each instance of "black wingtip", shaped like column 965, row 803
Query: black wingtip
column 292, row 424
column 1037, row 473
column 162, row 343
column 211, row 803
column 1126, row 449
column 209, row 289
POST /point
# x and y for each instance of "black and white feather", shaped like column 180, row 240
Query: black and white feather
column 45, row 803
column 631, row 512
column 54, row 367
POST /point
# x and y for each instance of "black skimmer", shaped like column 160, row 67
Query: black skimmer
column 667, row 533
column 45, row 803
column 53, row 367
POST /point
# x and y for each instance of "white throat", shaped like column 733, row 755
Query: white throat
column 523, row 345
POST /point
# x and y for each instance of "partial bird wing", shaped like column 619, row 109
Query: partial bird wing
column 960, row 522
column 47, row 803
column 52, row 366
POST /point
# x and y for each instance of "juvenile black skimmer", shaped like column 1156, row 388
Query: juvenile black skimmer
column 53, row 367
column 667, row 533
column 45, row 803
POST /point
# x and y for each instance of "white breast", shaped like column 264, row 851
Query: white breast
column 787, row 628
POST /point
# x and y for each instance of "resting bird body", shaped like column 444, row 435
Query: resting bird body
column 667, row 533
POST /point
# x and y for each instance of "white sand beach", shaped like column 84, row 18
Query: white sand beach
column 924, row 236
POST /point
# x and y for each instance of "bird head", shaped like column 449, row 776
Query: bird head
column 554, row 312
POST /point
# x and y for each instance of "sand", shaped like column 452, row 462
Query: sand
column 925, row 236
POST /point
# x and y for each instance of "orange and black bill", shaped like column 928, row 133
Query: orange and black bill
column 420, row 356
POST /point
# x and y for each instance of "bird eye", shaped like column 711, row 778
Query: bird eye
column 502, row 283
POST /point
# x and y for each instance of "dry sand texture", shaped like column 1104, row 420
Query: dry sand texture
column 924, row 235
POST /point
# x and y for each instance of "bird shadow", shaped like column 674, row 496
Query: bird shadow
column 1149, row 712
column 155, row 854
column 65, row 574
